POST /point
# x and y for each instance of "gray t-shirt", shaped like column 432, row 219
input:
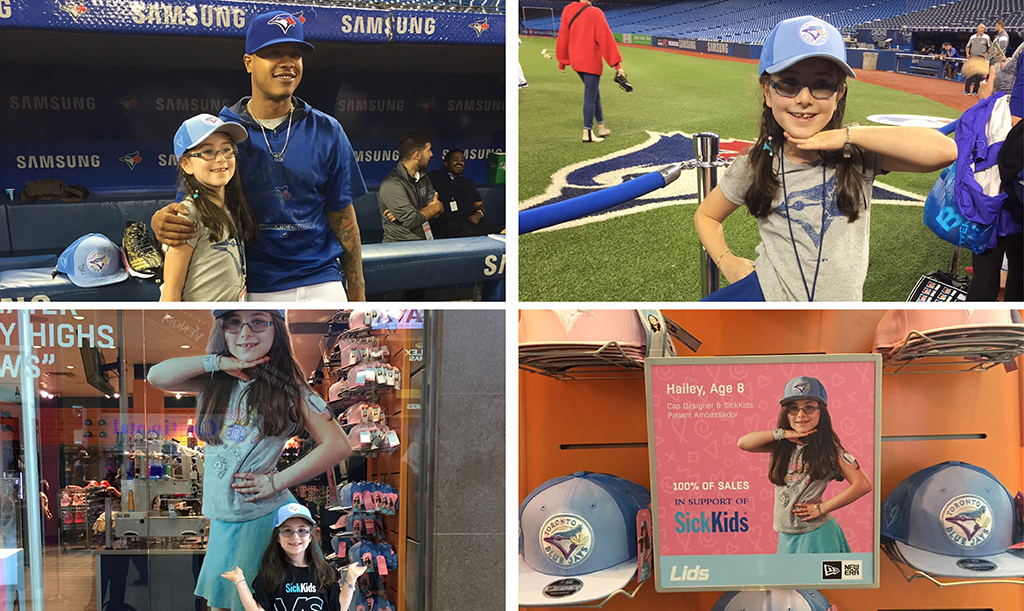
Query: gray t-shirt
column 1002, row 41
column 216, row 271
column 1008, row 73
column 978, row 45
column 243, row 451
column 799, row 488
column 844, row 245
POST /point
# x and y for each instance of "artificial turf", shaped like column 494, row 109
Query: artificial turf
column 654, row 255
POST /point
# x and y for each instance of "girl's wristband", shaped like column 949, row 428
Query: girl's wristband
column 211, row 363
column 779, row 434
column 722, row 256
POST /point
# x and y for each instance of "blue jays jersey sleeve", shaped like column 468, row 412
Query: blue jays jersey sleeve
column 344, row 182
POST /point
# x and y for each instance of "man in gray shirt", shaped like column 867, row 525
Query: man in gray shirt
column 407, row 199
column 1000, row 42
column 978, row 45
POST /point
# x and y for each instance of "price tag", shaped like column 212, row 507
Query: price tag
column 393, row 439
column 364, row 437
column 382, row 566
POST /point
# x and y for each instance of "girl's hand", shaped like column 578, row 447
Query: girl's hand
column 796, row 437
column 234, row 575
column 236, row 367
column 808, row 511
column 828, row 140
column 735, row 268
column 255, row 486
column 353, row 571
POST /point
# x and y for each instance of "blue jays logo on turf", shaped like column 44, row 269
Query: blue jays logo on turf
column 967, row 520
column 660, row 149
column 285, row 22
column 566, row 539
column 132, row 159
column 480, row 27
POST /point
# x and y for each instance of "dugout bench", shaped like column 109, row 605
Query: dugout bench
column 32, row 236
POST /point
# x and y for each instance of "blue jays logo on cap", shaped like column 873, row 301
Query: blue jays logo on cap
column 97, row 261
column 285, row 22
column 800, row 387
column 813, row 34
column 566, row 539
column 967, row 520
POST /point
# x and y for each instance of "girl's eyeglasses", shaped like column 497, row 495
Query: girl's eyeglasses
column 792, row 410
column 257, row 325
column 287, row 533
column 789, row 88
column 211, row 155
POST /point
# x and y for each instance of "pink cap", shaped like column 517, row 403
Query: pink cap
column 334, row 393
column 581, row 326
column 895, row 325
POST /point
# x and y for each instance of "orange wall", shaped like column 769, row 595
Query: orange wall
column 553, row 414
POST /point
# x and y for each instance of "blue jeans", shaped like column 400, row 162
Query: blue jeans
column 591, row 99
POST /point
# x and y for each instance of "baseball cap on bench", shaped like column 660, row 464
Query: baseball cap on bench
column 954, row 520
column 577, row 538
column 773, row 600
column 92, row 260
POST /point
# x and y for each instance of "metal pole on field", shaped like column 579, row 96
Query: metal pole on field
column 705, row 149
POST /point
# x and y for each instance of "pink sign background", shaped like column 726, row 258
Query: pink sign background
column 699, row 467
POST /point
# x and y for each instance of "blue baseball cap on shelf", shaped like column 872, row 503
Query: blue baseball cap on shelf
column 804, row 387
column 954, row 519
column 274, row 28
column 773, row 600
column 92, row 260
column 577, row 538
column 799, row 38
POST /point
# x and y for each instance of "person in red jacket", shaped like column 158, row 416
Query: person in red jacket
column 584, row 39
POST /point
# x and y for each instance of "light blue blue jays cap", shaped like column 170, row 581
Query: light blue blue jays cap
column 800, row 38
column 773, row 600
column 954, row 519
column 92, row 260
column 292, row 510
column 577, row 538
column 193, row 131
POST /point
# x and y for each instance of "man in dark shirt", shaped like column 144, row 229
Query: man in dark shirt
column 406, row 198
column 463, row 213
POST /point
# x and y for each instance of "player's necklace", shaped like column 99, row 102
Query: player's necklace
column 789, row 221
column 279, row 157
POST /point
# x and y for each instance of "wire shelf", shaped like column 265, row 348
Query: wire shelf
column 910, row 573
column 608, row 362
column 956, row 350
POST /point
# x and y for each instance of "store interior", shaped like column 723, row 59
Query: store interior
column 929, row 415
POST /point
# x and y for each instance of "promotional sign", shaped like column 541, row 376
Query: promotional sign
column 722, row 430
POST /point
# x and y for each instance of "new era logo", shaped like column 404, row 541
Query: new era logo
column 841, row 570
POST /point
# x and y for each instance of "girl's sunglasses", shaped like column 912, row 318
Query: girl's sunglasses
column 789, row 88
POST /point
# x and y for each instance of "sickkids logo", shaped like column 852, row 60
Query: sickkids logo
column 75, row 9
column 300, row 588
column 967, row 520
column 717, row 522
column 660, row 149
column 566, row 539
column 131, row 159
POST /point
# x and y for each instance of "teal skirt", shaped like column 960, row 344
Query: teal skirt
column 826, row 539
column 233, row 544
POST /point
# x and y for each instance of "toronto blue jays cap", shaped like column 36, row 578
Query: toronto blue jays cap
column 799, row 38
column 273, row 28
column 219, row 313
column 92, row 260
column 200, row 127
column 804, row 387
column 292, row 510
column 773, row 600
column 577, row 538
column 954, row 520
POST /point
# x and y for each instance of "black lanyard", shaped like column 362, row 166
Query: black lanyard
column 789, row 221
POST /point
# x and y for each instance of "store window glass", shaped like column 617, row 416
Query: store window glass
column 144, row 452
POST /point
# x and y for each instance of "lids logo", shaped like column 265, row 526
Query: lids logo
column 566, row 539
column 127, row 103
column 427, row 105
column 480, row 27
column 132, row 159
column 813, row 34
column 74, row 9
column 967, row 520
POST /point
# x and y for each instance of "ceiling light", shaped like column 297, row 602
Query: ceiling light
column 185, row 346
column 78, row 317
column 117, row 395
column 70, row 366
column 177, row 395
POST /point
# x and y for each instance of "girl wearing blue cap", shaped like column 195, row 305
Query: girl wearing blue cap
column 294, row 570
column 210, row 266
column 253, row 399
column 805, row 456
column 807, row 179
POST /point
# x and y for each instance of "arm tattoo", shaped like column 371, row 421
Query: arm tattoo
column 343, row 224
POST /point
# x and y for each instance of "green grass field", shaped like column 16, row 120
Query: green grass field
column 654, row 255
